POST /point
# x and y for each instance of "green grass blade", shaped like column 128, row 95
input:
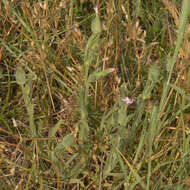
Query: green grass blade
column 183, row 21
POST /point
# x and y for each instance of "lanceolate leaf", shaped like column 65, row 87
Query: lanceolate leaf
column 20, row 76
column 98, row 75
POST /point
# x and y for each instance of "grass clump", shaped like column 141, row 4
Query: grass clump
column 92, row 105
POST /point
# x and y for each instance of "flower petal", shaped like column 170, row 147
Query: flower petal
column 127, row 100
column 96, row 9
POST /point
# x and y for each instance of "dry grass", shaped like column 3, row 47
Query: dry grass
column 43, row 144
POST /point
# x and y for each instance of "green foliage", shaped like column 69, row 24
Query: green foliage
column 96, row 25
column 153, row 75
column 97, row 75
column 66, row 142
column 26, row 85
column 63, row 79
column 20, row 76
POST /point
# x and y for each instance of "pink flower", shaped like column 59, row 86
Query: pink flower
column 113, row 69
column 127, row 100
column 103, row 25
column 96, row 9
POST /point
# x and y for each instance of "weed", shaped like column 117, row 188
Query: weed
column 94, row 99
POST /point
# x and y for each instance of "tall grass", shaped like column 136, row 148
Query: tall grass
column 92, row 105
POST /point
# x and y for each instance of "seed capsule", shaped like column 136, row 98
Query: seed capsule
column 96, row 23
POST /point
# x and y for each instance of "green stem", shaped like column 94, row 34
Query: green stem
column 183, row 22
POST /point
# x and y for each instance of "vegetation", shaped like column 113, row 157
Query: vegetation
column 94, row 95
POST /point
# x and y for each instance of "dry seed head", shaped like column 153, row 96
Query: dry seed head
column 137, row 24
column 109, row 9
column 35, row 9
column 14, row 21
column 105, row 59
column 45, row 7
column 173, row 11
column 32, row 43
column 118, row 79
column 62, row 4
column 41, row 5
column 12, row 171
column 144, row 34
column 123, row 9
column 14, row 122
column 110, row 43
column 139, row 31
column 43, row 46
column 7, row 7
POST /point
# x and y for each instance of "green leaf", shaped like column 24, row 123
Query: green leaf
column 153, row 73
column 110, row 163
column 96, row 25
column 55, row 128
column 168, row 64
column 182, row 26
column 20, row 76
column 122, row 116
column 91, row 47
column 180, row 91
column 27, row 92
column 93, row 77
column 67, row 141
